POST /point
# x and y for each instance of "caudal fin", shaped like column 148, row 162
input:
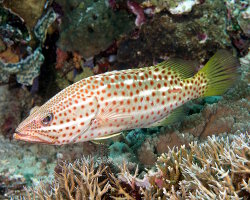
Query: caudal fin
column 221, row 72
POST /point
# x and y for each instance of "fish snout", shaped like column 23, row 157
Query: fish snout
column 29, row 137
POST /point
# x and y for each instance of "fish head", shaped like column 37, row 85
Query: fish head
column 59, row 123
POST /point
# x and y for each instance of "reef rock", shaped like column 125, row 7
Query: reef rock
column 91, row 26
column 29, row 10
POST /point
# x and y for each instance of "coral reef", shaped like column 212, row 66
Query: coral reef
column 194, row 36
column 65, row 41
column 217, row 168
column 238, row 24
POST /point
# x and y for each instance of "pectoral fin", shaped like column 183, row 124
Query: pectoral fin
column 107, row 136
column 105, row 139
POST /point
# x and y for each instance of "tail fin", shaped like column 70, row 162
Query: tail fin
column 221, row 72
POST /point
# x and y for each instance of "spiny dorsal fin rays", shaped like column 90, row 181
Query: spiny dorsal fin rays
column 185, row 68
column 177, row 115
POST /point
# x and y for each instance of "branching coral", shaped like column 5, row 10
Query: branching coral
column 79, row 180
column 216, row 169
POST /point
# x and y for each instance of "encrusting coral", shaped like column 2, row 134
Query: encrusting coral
column 216, row 169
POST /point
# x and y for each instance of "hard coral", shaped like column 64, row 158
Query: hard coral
column 217, row 168
column 79, row 180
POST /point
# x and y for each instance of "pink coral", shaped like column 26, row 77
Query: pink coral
column 138, row 11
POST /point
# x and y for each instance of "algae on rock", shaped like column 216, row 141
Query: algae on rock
column 92, row 26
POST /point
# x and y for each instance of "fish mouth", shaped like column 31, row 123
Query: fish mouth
column 29, row 138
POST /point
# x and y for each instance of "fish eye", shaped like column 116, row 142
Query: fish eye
column 46, row 120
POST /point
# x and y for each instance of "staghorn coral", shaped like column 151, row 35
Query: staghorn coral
column 217, row 168
column 79, row 180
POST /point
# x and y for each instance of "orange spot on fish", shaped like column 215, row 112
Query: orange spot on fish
column 174, row 90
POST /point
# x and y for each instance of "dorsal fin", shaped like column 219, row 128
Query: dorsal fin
column 185, row 68
column 176, row 115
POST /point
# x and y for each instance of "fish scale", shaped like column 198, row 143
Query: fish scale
column 103, row 105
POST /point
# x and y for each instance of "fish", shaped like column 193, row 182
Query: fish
column 104, row 105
